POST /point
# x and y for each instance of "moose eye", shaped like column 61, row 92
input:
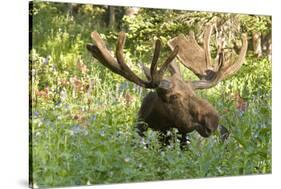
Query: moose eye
column 174, row 97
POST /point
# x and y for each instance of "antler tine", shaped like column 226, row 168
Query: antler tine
column 170, row 58
column 174, row 69
column 155, row 75
column 207, row 36
column 206, row 84
column 103, row 50
column 152, row 73
column 230, row 69
column 153, row 67
column 223, row 69
column 100, row 52
column 126, row 71
column 191, row 54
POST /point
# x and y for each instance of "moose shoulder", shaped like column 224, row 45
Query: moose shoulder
column 174, row 103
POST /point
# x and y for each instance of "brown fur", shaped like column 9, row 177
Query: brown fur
column 178, row 107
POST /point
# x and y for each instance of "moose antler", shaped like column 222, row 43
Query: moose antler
column 100, row 52
column 198, row 59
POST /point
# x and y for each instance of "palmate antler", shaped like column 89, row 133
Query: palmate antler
column 100, row 52
column 198, row 59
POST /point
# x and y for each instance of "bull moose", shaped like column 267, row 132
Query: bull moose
column 174, row 103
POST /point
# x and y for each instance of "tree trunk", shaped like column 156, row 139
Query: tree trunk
column 111, row 21
column 257, row 44
column 267, row 45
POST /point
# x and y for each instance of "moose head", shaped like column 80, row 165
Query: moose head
column 174, row 103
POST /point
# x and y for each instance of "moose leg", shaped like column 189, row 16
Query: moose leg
column 141, row 127
column 145, row 112
column 165, row 137
column 184, row 140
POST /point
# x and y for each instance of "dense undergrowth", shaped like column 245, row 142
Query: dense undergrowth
column 82, row 116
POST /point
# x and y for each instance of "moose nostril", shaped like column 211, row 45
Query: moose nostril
column 89, row 46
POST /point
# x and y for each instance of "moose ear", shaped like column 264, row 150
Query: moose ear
column 165, row 84
column 174, row 69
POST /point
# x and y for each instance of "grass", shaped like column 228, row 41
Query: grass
column 104, row 148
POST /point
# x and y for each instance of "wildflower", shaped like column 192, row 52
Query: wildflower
column 36, row 114
column 54, row 69
column 43, row 93
column 48, row 122
column 127, row 159
column 188, row 141
column 76, row 129
column 142, row 141
column 93, row 118
column 140, row 165
column 137, row 89
column 81, row 66
column 37, row 133
column 128, row 98
column 66, row 107
column 169, row 133
column 123, row 86
column 46, row 60
column 240, row 103
column 85, row 132
column 63, row 82
column 76, row 83
column 40, row 123
column 63, row 95
column 102, row 133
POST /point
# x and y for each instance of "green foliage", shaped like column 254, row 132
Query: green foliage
column 253, row 80
column 256, row 23
column 83, row 116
